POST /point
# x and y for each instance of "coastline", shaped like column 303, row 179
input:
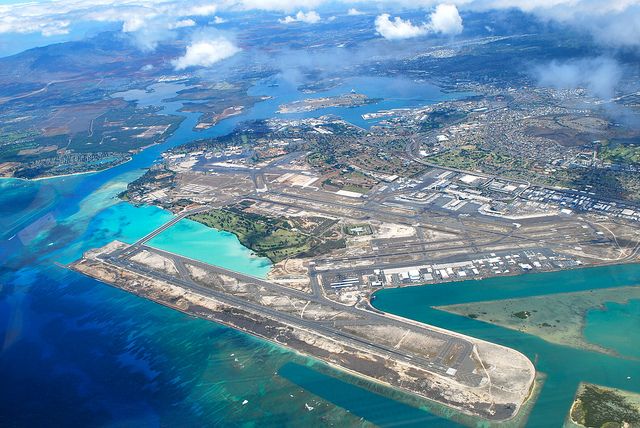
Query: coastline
column 403, row 376
column 583, row 345
column 51, row 177
column 329, row 363
column 71, row 174
column 453, row 332
column 635, row 261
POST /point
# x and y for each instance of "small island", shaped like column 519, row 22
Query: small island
column 599, row 406
column 311, row 104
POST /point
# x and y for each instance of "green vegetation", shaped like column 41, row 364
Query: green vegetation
column 439, row 118
column 156, row 177
column 522, row 315
column 10, row 137
column 276, row 238
column 619, row 153
column 81, row 138
column 609, row 182
column 355, row 188
column 323, row 160
column 470, row 158
column 350, row 180
column 614, row 184
column 604, row 407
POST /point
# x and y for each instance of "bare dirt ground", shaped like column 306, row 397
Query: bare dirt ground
column 498, row 367
column 292, row 273
column 391, row 230
column 155, row 261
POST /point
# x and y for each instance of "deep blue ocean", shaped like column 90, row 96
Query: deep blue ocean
column 75, row 352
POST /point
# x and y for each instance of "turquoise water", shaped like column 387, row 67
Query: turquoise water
column 615, row 326
column 75, row 352
column 69, row 342
column 197, row 241
column 565, row 367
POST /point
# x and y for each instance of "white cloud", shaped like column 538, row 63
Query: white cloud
column 48, row 24
column 133, row 23
column 446, row 20
column 205, row 9
column 219, row 20
column 566, row 7
column 150, row 22
column 398, row 28
column 600, row 76
column 205, row 52
column 612, row 23
column 182, row 24
column 311, row 17
column 354, row 12
column 286, row 6
column 58, row 16
column 56, row 28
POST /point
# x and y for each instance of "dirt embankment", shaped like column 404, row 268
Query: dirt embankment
column 489, row 400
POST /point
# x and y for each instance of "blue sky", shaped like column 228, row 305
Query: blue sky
column 612, row 23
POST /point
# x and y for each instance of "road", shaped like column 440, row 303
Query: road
column 140, row 242
column 333, row 329
column 413, row 147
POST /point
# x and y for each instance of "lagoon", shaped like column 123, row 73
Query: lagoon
column 113, row 357
column 196, row 241
column 76, row 352
column 565, row 367
column 616, row 326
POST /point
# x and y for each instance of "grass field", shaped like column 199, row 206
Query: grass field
column 276, row 238
column 619, row 153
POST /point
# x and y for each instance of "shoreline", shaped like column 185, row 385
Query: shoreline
column 513, row 274
column 71, row 174
column 584, row 345
column 51, row 177
column 632, row 398
column 130, row 155
column 330, row 364
column 406, row 377
column 254, row 253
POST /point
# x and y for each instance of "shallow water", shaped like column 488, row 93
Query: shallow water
column 197, row 241
column 564, row 366
column 75, row 352
column 557, row 318
column 616, row 326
